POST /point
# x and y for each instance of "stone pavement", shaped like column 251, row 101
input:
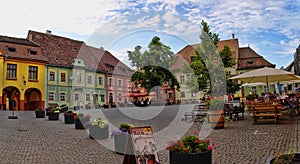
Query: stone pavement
column 31, row 140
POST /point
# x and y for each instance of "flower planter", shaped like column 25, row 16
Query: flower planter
column 39, row 114
column 69, row 119
column 95, row 132
column 120, row 143
column 294, row 161
column 193, row 158
column 81, row 124
column 53, row 116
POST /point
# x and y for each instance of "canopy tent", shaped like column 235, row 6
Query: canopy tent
column 266, row 75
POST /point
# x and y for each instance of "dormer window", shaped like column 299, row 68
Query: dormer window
column 56, row 59
column 74, row 49
column 58, row 46
column 111, row 67
column 11, row 49
column 31, row 52
column 250, row 62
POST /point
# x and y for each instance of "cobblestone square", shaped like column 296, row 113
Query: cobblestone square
column 32, row 140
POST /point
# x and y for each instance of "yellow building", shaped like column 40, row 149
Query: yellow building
column 22, row 72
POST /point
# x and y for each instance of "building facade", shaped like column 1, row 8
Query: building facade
column 79, row 74
column 246, row 59
column 22, row 70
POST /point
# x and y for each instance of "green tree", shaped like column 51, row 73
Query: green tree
column 228, row 62
column 206, row 65
column 152, row 66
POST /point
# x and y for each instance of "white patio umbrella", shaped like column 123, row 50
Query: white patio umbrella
column 266, row 75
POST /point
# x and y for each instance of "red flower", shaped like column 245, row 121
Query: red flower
column 196, row 133
column 209, row 148
column 197, row 141
column 207, row 140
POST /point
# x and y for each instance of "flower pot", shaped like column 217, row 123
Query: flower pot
column 193, row 158
column 39, row 114
column 69, row 119
column 120, row 143
column 294, row 161
column 81, row 124
column 95, row 132
column 217, row 119
column 53, row 116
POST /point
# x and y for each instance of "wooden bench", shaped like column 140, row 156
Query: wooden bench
column 195, row 115
column 266, row 113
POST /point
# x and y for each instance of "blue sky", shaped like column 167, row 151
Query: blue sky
column 271, row 28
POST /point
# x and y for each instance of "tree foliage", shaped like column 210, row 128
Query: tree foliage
column 152, row 65
column 206, row 66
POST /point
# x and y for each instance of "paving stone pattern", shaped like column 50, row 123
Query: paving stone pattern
column 30, row 140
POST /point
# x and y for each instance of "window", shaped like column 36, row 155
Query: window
column 33, row 72
column 31, row 52
column 120, row 83
column 11, row 49
column 52, row 76
column 62, row 96
column 100, row 80
column 11, row 71
column 89, row 79
column 76, row 96
column 182, row 94
column 79, row 77
column 120, row 97
column 170, row 95
column 102, row 98
column 51, row 96
column 63, row 77
column 87, row 97
column 181, row 79
column 129, row 84
column 111, row 82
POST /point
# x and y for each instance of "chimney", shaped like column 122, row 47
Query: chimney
column 49, row 32
column 232, row 35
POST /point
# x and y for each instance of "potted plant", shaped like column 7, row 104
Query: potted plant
column 39, row 113
column 81, row 120
column 98, row 129
column 120, row 137
column 68, row 117
column 54, row 114
column 290, row 157
column 191, row 150
column 105, row 105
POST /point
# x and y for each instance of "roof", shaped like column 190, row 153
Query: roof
column 189, row 51
column 20, row 48
column 62, row 51
column 21, row 41
column 59, row 51
column 98, row 59
column 249, row 59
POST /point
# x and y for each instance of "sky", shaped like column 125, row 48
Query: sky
column 270, row 27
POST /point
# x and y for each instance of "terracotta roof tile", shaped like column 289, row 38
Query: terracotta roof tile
column 249, row 59
column 20, row 48
column 59, row 51
column 62, row 51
